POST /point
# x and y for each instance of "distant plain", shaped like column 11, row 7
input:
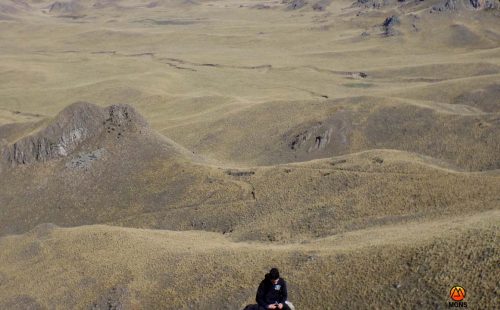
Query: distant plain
column 354, row 145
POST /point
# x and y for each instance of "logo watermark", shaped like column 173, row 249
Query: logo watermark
column 457, row 294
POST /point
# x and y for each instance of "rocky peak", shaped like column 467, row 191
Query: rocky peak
column 71, row 128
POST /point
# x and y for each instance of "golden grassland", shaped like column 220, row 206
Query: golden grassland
column 390, row 267
column 364, row 165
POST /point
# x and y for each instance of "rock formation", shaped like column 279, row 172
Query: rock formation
column 73, row 126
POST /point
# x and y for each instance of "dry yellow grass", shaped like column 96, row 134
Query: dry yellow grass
column 364, row 165
column 398, row 266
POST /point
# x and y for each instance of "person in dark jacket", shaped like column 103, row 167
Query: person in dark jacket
column 272, row 292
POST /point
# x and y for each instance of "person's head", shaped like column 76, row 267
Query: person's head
column 274, row 275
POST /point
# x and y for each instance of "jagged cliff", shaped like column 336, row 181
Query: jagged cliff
column 73, row 126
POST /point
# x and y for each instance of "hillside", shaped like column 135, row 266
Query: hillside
column 96, row 267
column 164, row 154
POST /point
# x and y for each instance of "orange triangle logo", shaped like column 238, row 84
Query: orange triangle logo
column 457, row 293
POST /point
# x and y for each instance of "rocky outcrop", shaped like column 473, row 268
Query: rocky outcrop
column 71, row 128
column 440, row 6
column 373, row 4
column 294, row 4
column 66, row 8
column 388, row 25
column 330, row 135
column 448, row 5
column 455, row 5
column 316, row 5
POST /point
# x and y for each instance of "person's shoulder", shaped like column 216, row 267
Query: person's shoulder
column 282, row 280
